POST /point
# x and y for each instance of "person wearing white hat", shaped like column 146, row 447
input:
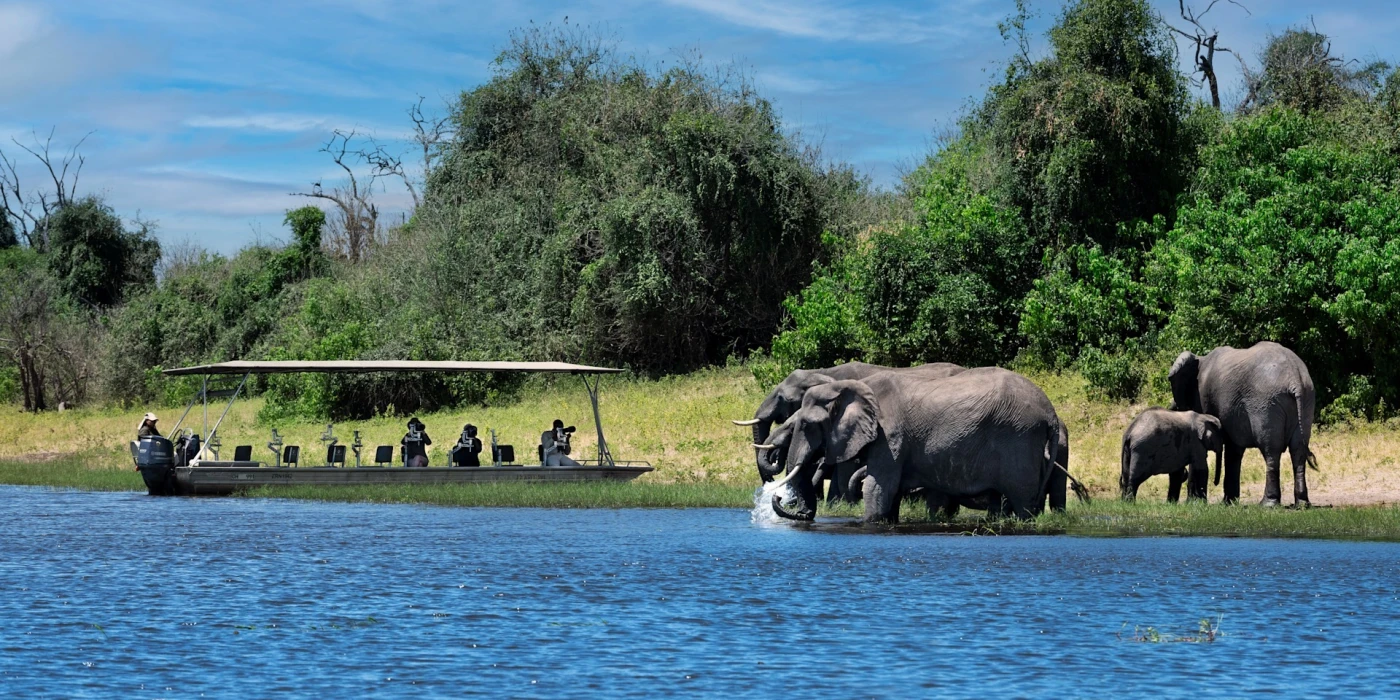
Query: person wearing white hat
column 148, row 427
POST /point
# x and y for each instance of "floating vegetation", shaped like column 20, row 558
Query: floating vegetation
column 1206, row 633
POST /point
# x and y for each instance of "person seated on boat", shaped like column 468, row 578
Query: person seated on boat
column 467, row 448
column 147, row 427
column 415, row 444
column 555, row 444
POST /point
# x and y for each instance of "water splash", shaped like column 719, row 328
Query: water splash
column 762, row 513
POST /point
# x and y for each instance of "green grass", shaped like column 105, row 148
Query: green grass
column 1117, row 519
column 89, row 472
column 585, row 494
column 1114, row 518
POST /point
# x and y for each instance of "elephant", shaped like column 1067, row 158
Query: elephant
column 786, row 398
column 1175, row 443
column 1264, row 398
column 985, row 435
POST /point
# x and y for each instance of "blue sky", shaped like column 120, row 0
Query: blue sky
column 204, row 115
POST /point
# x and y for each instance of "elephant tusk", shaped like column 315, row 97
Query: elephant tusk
column 787, row 478
column 757, row 446
column 745, row 423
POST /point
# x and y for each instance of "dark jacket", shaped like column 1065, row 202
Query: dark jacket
column 415, row 448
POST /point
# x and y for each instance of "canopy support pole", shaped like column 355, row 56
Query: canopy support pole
column 205, row 445
column 188, row 407
column 604, row 454
column 204, row 394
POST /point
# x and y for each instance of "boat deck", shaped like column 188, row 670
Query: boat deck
column 224, row 478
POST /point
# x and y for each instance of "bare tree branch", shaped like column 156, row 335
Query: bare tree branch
column 1205, row 43
column 30, row 211
column 355, row 220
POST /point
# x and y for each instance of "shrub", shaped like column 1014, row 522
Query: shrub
column 1116, row 376
column 1090, row 300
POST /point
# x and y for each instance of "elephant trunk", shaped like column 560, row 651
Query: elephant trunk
column 1218, row 451
column 856, row 484
column 761, row 430
column 803, row 515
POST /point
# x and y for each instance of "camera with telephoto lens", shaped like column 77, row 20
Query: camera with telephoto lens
column 561, row 438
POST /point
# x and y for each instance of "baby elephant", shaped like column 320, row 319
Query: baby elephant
column 1175, row 443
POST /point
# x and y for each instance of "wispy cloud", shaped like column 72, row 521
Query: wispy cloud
column 293, row 123
column 864, row 23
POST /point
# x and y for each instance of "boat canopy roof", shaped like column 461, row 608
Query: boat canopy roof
column 308, row 366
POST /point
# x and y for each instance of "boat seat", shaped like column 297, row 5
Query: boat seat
column 291, row 455
column 383, row 455
column 335, row 454
column 505, row 454
column 243, row 453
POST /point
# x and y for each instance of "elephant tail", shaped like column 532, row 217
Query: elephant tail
column 1302, row 436
column 1052, row 450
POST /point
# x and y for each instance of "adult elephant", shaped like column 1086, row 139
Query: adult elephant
column 1264, row 398
column 786, row 398
column 982, row 435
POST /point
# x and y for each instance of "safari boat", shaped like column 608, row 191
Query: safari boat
column 158, row 459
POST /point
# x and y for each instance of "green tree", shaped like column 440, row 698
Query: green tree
column 7, row 232
column 94, row 258
column 1095, row 134
column 1297, row 70
column 591, row 209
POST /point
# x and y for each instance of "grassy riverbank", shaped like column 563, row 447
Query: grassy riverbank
column 681, row 425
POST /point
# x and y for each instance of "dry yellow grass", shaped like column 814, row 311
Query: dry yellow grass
column 681, row 425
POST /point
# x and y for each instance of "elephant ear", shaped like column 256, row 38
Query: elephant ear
column 1183, row 377
column 1208, row 431
column 853, row 417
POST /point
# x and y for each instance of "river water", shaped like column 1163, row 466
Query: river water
column 105, row 595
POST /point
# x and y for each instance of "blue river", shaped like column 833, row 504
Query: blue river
column 124, row 595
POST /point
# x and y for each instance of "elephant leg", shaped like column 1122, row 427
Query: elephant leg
column 941, row 506
column 1174, row 486
column 1059, row 485
column 1233, row 457
column 1298, row 453
column 1197, row 478
column 836, row 492
column 881, row 501
column 1273, row 494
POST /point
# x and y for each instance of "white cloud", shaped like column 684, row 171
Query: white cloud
column 292, row 123
column 833, row 23
column 19, row 25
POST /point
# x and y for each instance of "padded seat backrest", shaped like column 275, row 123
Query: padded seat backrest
column 505, row 454
column 335, row 454
column 243, row 453
column 291, row 454
column 384, row 454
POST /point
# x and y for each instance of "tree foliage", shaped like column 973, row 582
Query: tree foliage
column 588, row 208
column 95, row 260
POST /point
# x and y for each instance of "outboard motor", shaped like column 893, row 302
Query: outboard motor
column 155, row 459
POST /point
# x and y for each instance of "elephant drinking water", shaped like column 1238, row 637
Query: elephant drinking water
column 985, row 433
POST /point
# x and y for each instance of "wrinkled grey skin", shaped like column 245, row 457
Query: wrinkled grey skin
column 1174, row 443
column 786, row 398
column 1264, row 398
column 984, row 433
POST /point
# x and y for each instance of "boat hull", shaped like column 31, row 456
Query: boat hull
column 225, row 480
